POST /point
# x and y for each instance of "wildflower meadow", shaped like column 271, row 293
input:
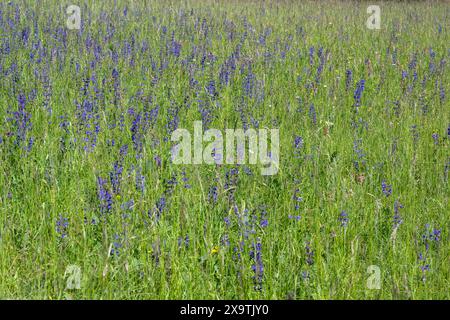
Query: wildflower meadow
column 220, row 149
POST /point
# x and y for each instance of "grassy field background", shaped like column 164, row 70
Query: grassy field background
column 86, row 178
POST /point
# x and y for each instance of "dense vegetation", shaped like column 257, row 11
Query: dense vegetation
column 86, row 177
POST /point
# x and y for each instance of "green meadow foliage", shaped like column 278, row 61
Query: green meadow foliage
column 92, row 206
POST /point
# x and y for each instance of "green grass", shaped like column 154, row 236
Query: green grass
column 40, row 184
